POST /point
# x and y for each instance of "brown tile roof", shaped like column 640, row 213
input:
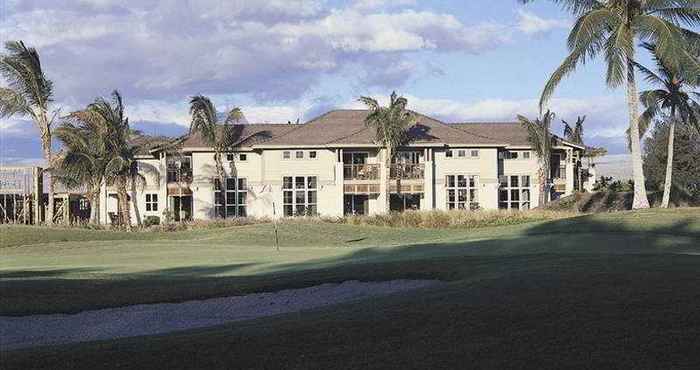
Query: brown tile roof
column 348, row 127
column 511, row 133
column 248, row 134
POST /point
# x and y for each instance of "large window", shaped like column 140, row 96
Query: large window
column 514, row 192
column 462, row 192
column 151, row 202
column 231, row 202
column 299, row 195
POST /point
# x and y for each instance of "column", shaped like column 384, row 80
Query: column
column 428, row 201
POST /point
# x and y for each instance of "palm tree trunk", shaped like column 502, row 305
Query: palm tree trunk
column 48, row 156
column 640, row 193
column 95, row 207
column 387, row 179
column 135, row 203
column 124, row 203
column 543, row 184
column 668, row 181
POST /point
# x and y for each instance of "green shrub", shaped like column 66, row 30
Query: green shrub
column 151, row 220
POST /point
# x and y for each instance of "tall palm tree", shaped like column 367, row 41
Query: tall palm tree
column 29, row 94
column 220, row 137
column 670, row 96
column 574, row 134
column 611, row 28
column 83, row 160
column 121, row 169
column 540, row 138
column 391, row 126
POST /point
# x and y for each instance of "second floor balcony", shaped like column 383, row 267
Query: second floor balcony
column 361, row 172
column 407, row 171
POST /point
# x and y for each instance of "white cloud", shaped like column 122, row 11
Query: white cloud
column 531, row 24
column 377, row 4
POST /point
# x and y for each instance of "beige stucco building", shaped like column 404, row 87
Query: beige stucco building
column 331, row 166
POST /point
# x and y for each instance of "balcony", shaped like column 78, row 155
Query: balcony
column 410, row 171
column 361, row 172
column 177, row 175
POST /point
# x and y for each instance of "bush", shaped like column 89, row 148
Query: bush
column 457, row 218
column 151, row 220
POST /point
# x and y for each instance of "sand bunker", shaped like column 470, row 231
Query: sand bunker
column 148, row 319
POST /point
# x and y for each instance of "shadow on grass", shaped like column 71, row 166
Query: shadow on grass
column 580, row 244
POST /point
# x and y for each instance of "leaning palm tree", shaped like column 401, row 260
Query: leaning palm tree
column 540, row 138
column 29, row 94
column 612, row 28
column 85, row 155
column 220, row 137
column 670, row 97
column 391, row 126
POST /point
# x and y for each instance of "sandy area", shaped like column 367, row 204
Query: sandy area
column 37, row 330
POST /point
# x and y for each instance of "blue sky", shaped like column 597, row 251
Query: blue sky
column 286, row 59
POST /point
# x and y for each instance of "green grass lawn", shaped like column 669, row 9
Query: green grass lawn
column 616, row 290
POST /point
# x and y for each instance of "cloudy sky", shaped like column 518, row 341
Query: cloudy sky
column 286, row 59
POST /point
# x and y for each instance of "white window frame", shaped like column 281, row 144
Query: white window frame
column 519, row 190
column 292, row 189
column 151, row 204
column 462, row 191
column 234, row 199
column 315, row 152
column 462, row 153
column 299, row 154
column 287, row 155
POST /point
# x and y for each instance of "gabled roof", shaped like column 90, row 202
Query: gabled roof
column 348, row 127
column 247, row 135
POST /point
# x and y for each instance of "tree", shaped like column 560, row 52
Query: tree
column 391, row 125
column 669, row 96
column 221, row 137
column 83, row 160
column 541, row 140
column 29, row 94
column 575, row 135
column 686, row 166
column 612, row 28
column 121, row 169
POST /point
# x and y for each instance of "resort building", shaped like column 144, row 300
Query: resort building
column 331, row 166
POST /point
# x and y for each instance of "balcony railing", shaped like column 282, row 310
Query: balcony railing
column 361, row 172
column 179, row 175
column 407, row 171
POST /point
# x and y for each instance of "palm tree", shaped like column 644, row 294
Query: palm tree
column 85, row 155
column 670, row 96
column 540, row 139
column 121, row 169
column 574, row 134
column 221, row 137
column 390, row 124
column 29, row 94
column 611, row 28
